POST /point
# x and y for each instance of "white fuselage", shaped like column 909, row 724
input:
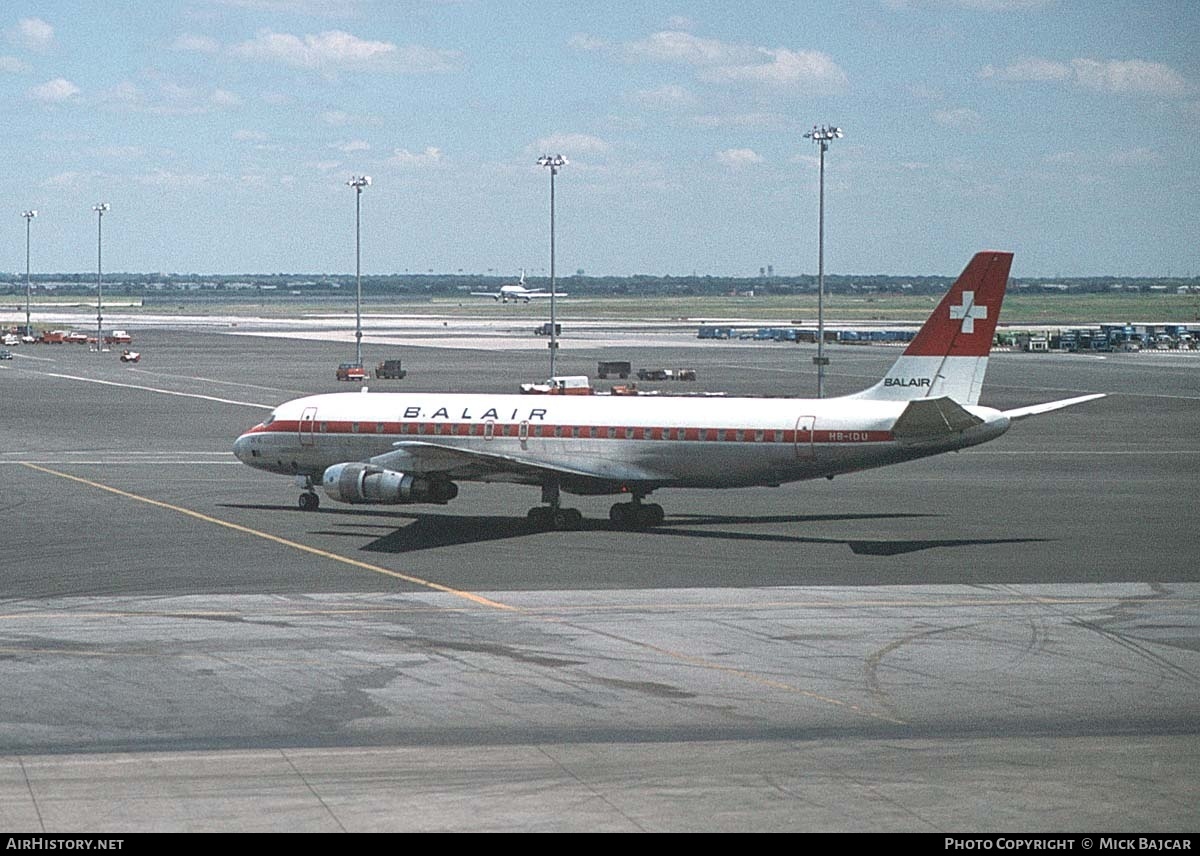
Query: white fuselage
column 650, row 441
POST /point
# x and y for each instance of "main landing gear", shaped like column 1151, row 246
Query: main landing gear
column 624, row 515
column 635, row 514
column 309, row 501
column 553, row 516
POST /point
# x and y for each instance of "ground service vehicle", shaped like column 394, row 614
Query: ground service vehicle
column 666, row 374
column 351, row 372
column 561, row 385
column 620, row 368
column 390, row 370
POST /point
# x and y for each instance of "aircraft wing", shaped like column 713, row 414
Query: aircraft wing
column 1035, row 409
column 485, row 294
column 583, row 476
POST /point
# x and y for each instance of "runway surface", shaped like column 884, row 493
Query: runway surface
column 1005, row 638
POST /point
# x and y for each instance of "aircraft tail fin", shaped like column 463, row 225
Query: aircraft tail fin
column 948, row 356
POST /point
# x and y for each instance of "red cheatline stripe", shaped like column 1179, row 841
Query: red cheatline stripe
column 574, row 432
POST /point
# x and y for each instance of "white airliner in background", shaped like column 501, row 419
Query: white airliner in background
column 515, row 292
column 414, row 447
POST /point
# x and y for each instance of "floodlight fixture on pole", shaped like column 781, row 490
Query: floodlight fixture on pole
column 554, row 163
column 28, row 215
column 99, row 208
column 358, row 182
column 822, row 136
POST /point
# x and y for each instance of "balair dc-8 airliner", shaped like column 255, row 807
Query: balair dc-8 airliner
column 397, row 448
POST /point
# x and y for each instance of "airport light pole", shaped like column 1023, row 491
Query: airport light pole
column 553, row 163
column 358, row 182
column 99, row 208
column 28, row 215
column 821, row 136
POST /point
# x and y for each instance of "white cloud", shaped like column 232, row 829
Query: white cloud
column 1032, row 69
column 740, row 120
column 70, row 178
column 1140, row 156
column 350, row 146
column 224, row 98
column 584, row 42
column 122, row 152
column 167, row 98
column 718, row 61
column 12, row 65
column 403, row 157
column 963, row 118
column 32, row 34
column 59, row 89
column 166, row 179
column 681, row 22
column 571, row 144
column 1133, row 76
column 199, row 44
column 338, row 50
column 979, row 5
column 680, row 46
column 668, row 95
column 786, row 68
column 244, row 135
column 739, row 157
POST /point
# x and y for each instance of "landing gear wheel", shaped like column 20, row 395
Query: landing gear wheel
column 562, row 519
column 568, row 519
column 634, row 515
column 309, row 502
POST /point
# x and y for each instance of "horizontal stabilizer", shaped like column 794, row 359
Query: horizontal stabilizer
column 932, row 418
column 1035, row 409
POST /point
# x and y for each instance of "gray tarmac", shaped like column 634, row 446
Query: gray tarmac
column 1003, row 639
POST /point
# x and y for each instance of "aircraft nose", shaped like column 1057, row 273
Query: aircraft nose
column 241, row 448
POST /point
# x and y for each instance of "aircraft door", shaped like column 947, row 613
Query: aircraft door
column 804, row 438
column 308, row 421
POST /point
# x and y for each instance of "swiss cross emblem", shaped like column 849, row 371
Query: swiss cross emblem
column 968, row 312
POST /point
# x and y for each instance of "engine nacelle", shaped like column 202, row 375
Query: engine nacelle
column 366, row 483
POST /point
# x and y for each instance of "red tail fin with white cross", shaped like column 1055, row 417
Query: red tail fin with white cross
column 949, row 355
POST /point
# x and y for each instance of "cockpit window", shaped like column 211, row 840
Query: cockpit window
column 269, row 419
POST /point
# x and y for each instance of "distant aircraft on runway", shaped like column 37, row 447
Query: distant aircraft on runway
column 397, row 448
column 515, row 292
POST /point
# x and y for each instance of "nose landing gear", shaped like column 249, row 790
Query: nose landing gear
column 309, row 501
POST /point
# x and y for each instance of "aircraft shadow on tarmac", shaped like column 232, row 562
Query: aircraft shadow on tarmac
column 429, row 531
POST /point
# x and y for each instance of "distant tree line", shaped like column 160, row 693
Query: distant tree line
column 428, row 285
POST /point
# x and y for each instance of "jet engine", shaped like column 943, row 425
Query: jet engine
column 366, row 483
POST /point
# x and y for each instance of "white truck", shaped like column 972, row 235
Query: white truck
column 560, row 385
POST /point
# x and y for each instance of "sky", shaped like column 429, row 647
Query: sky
column 222, row 134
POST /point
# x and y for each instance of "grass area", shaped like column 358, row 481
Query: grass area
column 1050, row 309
